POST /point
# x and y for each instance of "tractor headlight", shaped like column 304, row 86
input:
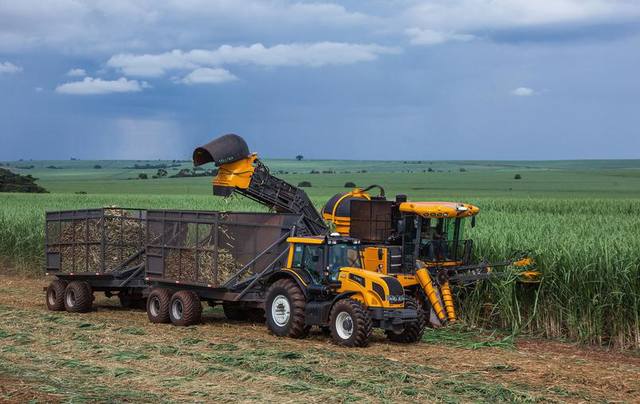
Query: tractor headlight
column 394, row 299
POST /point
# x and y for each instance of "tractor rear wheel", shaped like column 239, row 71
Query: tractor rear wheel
column 350, row 324
column 55, row 295
column 158, row 304
column 185, row 309
column 284, row 309
column 412, row 331
column 78, row 297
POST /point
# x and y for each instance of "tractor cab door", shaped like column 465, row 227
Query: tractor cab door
column 308, row 260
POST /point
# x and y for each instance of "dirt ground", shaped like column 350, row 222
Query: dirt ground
column 112, row 354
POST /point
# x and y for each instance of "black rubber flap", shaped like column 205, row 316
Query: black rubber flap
column 222, row 150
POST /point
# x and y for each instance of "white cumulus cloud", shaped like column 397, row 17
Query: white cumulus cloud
column 77, row 73
column 90, row 86
column 418, row 36
column 207, row 75
column 523, row 92
column 295, row 54
column 8, row 68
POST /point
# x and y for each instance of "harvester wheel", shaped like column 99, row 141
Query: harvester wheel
column 78, row 297
column 234, row 312
column 55, row 295
column 412, row 331
column 158, row 304
column 185, row 308
column 284, row 309
column 350, row 324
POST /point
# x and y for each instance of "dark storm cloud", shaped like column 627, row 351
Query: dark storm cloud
column 385, row 80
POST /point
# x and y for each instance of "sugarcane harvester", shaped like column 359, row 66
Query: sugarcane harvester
column 420, row 244
column 323, row 282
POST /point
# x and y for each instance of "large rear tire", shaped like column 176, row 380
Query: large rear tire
column 412, row 331
column 55, row 295
column 350, row 324
column 158, row 304
column 185, row 309
column 78, row 297
column 284, row 309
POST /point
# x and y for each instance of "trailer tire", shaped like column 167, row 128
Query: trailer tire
column 350, row 323
column 78, row 297
column 284, row 309
column 412, row 331
column 185, row 309
column 55, row 295
column 158, row 304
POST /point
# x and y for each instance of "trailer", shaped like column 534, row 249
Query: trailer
column 219, row 257
column 95, row 250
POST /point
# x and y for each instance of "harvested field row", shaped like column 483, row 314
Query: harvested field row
column 113, row 354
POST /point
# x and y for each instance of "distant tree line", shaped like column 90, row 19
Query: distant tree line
column 12, row 182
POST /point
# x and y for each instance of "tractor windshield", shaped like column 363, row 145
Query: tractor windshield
column 343, row 255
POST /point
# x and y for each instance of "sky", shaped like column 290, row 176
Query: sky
column 389, row 80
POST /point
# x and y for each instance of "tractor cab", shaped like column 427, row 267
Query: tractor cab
column 319, row 259
column 433, row 232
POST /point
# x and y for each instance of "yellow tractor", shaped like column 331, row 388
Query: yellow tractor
column 325, row 285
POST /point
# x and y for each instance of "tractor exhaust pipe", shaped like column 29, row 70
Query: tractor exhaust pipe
column 222, row 150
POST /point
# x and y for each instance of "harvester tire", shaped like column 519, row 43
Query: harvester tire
column 412, row 331
column 234, row 312
column 185, row 309
column 284, row 309
column 55, row 295
column 350, row 324
column 78, row 297
column 158, row 304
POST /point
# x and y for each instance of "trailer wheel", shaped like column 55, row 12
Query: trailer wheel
column 412, row 331
column 350, row 324
column 78, row 297
column 158, row 304
column 185, row 308
column 284, row 309
column 55, row 295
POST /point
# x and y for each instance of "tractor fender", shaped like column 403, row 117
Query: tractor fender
column 288, row 274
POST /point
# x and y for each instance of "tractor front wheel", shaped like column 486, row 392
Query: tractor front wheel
column 284, row 309
column 412, row 331
column 350, row 324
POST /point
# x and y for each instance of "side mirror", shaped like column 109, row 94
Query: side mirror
column 473, row 221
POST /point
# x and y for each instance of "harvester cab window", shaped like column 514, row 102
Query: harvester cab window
column 308, row 258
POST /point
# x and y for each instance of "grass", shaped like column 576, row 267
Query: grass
column 578, row 219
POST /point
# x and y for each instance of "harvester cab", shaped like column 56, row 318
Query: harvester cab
column 324, row 284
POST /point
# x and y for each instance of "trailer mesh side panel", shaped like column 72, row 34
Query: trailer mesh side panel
column 94, row 240
column 209, row 248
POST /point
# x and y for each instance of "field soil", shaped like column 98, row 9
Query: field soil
column 112, row 354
